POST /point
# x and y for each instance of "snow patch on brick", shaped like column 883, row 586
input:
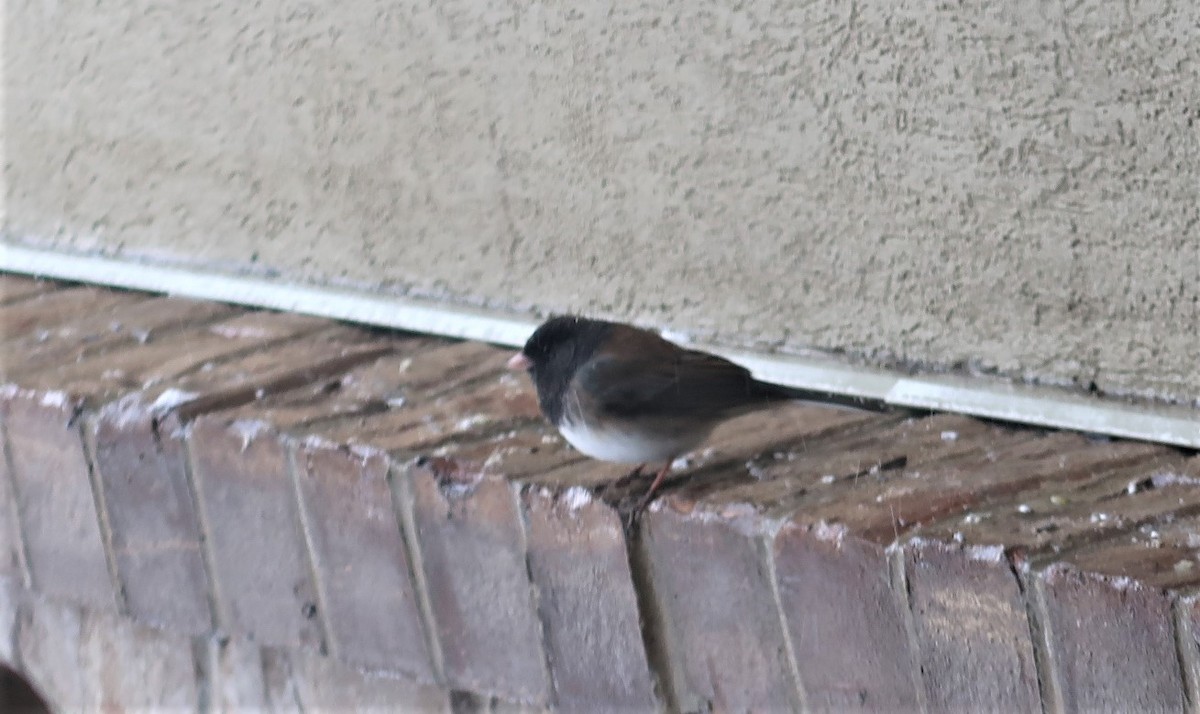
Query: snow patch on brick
column 250, row 429
column 172, row 398
column 576, row 497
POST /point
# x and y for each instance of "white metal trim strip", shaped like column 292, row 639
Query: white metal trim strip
column 1017, row 403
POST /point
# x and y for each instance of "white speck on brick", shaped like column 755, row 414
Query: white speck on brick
column 986, row 553
column 755, row 470
column 126, row 411
column 1171, row 478
column 249, row 430
column 394, row 402
column 470, row 422
column 1024, row 508
column 56, row 398
column 576, row 497
column 835, row 532
column 949, row 436
column 172, row 398
column 240, row 332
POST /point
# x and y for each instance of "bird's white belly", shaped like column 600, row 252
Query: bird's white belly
column 621, row 447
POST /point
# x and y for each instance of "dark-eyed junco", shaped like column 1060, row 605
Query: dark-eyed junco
column 623, row 394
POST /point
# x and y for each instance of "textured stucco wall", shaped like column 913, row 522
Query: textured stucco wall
column 1008, row 186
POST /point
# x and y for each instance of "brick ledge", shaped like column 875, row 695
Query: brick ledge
column 263, row 509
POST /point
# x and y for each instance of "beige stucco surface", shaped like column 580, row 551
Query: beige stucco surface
column 992, row 186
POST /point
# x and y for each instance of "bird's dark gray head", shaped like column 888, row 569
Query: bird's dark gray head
column 554, row 352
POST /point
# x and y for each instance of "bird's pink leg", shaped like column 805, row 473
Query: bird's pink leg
column 628, row 478
column 658, row 479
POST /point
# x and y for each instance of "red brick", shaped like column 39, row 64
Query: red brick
column 846, row 629
column 970, row 621
column 1113, row 643
column 303, row 681
column 488, row 406
column 97, row 331
column 231, row 672
column 58, row 515
column 12, row 592
column 12, row 549
column 355, row 535
column 156, row 544
column 320, row 356
column 1109, row 604
column 259, row 562
column 588, row 607
column 14, row 288
column 1188, row 634
column 40, row 314
column 845, row 622
column 128, row 667
column 847, row 626
column 723, row 631
column 472, row 554
column 88, row 661
column 131, row 368
column 49, row 639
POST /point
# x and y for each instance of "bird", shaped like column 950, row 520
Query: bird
column 624, row 394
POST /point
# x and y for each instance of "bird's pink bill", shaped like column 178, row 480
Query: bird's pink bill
column 519, row 362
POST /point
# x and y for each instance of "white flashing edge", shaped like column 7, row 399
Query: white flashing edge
column 350, row 305
column 1016, row 403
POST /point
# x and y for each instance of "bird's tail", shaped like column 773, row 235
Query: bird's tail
column 779, row 392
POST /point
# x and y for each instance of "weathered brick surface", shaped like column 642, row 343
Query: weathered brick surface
column 1109, row 603
column 493, row 405
column 11, row 594
column 970, row 612
column 12, row 548
column 128, row 667
column 263, row 579
column 140, row 461
column 845, row 621
column 303, row 681
column 155, row 532
column 240, row 466
column 975, row 641
column 83, row 335
column 724, row 633
column 847, row 626
column 829, row 618
column 232, row 672
column 1188, row 635
column 49, row 639
column 84, row 660
column 472, row 550
column 41, row 314
column 1113, row 642
column 355, row 534
column 588, row 607
column 14, row 288
column 708, row 563
column 57, row 507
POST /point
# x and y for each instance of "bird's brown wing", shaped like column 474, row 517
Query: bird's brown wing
column 679, row 383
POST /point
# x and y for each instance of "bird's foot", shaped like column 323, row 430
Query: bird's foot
column 614, row 490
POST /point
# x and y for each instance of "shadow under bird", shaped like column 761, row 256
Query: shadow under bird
column 623, row 394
